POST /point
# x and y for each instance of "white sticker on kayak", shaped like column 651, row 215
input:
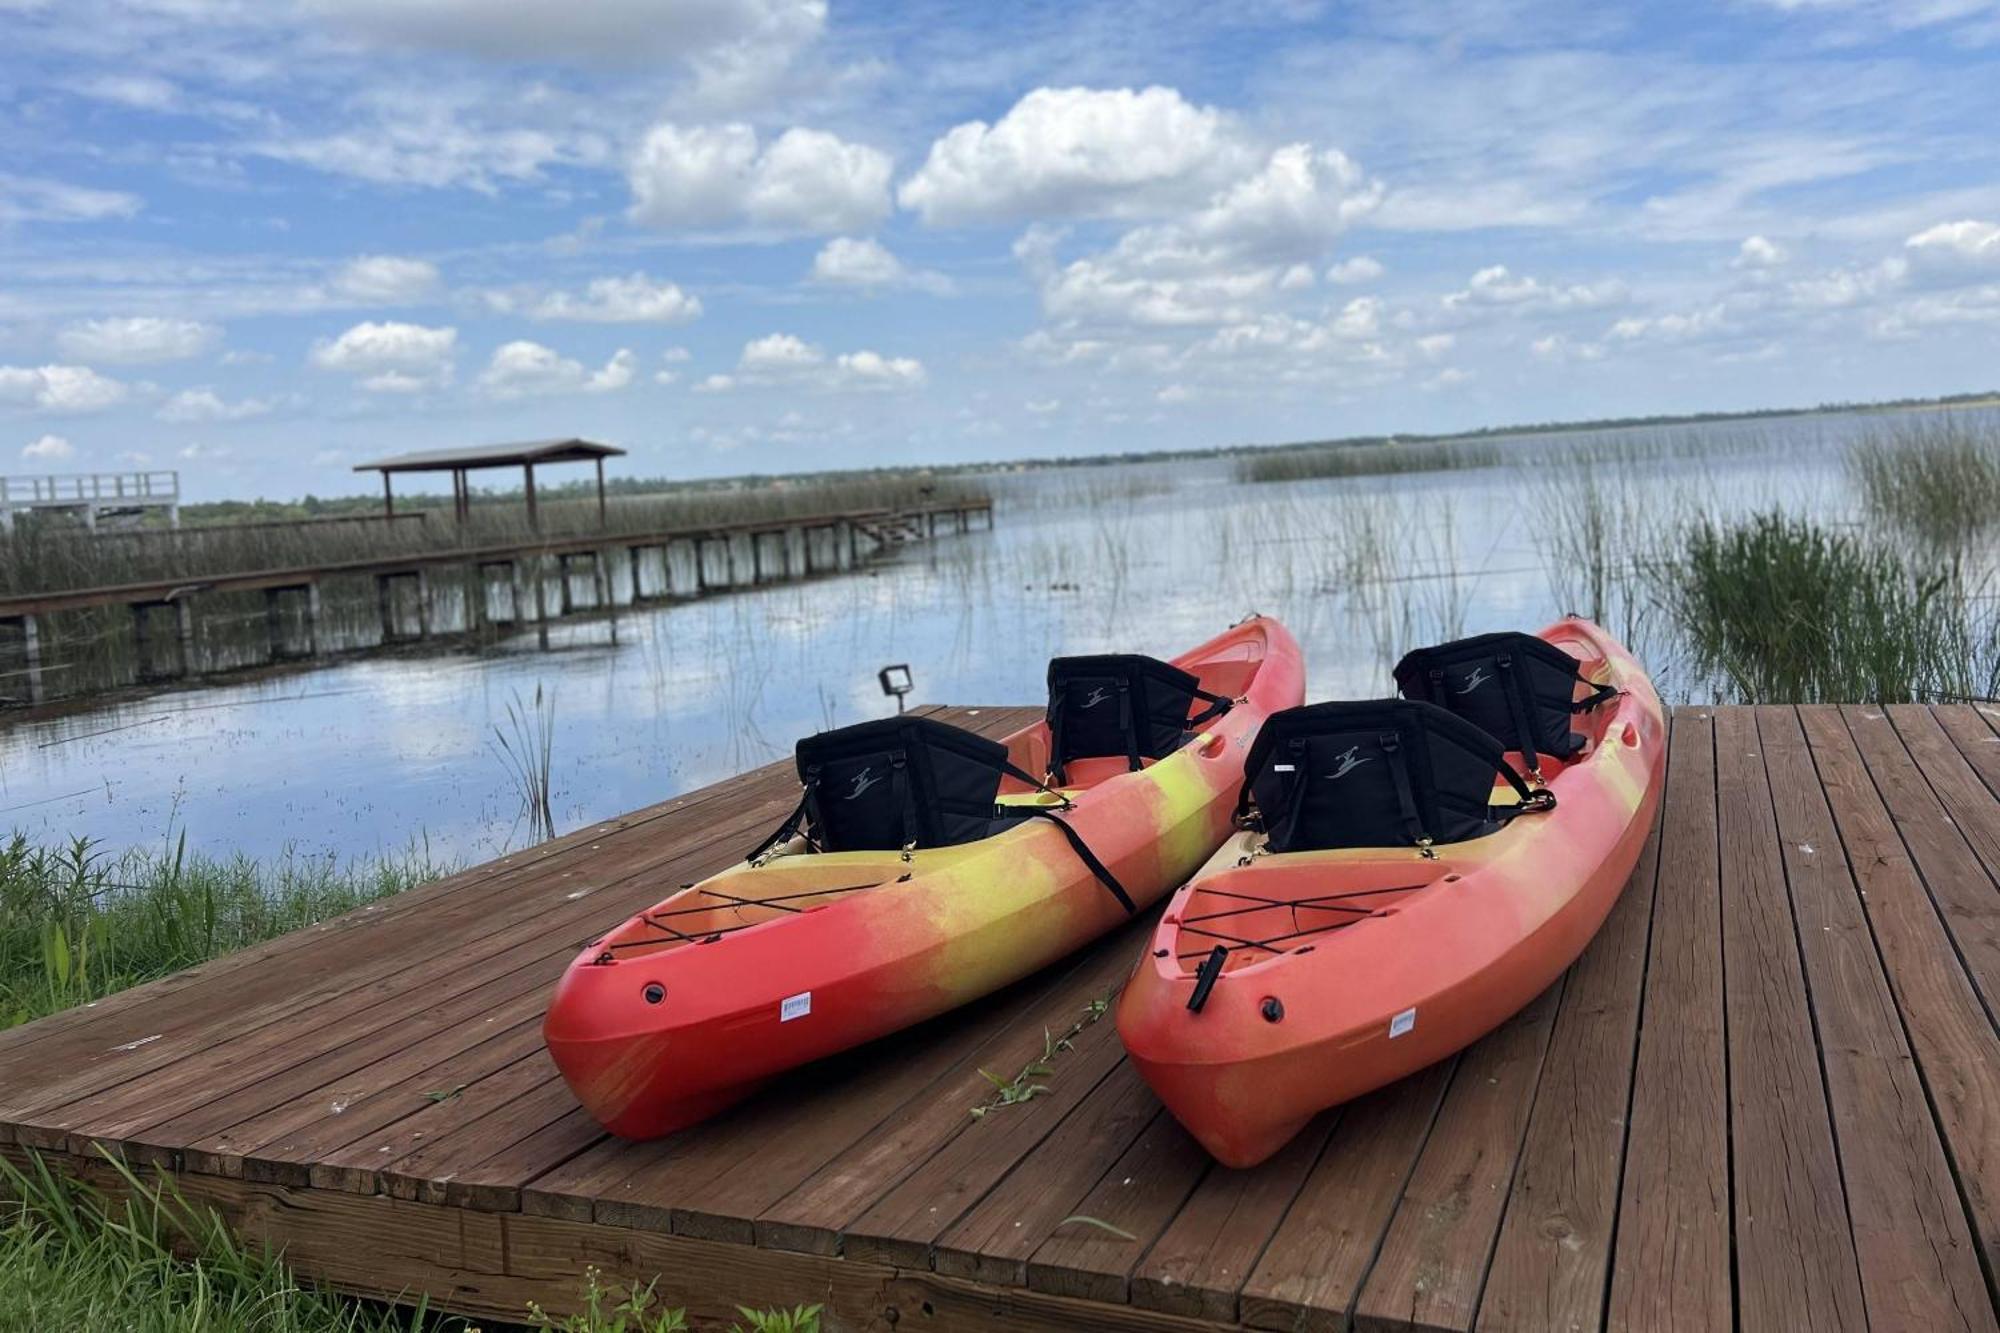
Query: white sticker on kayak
column 1284, row 768
column 1402, row 1022
column 795, row 1006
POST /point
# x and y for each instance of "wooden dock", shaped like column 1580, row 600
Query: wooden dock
column 1767, row 1097
column 716, row 557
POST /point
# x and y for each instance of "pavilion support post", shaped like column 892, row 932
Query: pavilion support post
column 632, row 554
column 600, row 569
column 184, row 625
column 388, row 497
column 423, row 603
column 520, row 592
column 700, row 565
column 853, row 543
column 385, row 602
column 141, row 649
column 312, row 618
column 567, row 603
column 274, row 624
column 542, row 595
column 534, row 517
column 600, row 493
column 475, row 600
column 31, row 656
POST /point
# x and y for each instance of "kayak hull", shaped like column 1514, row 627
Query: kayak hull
column 691, row 1005
column 1395, row 960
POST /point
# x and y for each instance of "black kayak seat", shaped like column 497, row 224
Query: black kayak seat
column 1376, row 773
column 1122, row 705
column 898, row 782
column 1519, row 688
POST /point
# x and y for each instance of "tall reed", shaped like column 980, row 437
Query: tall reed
column 1936, row 480
column 1778, row 608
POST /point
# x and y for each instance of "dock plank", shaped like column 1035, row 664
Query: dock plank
column 1965, row 894
column 1953, row 1039
column 1552, row 1261
column 1433, row 1260
column 1671, row 1264
column 1918, row 1266
column 1795, row 1252
column 1197, row 1267
column 1310, row 1273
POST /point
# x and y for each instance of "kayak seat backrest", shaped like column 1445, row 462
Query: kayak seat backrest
column 1121, row 704
column 898, row 782
column 1517, row 687
column 1377, row 773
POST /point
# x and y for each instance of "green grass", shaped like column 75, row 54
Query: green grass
column 1936, row 480
column 77, row 923
column 1780, row 609
column 74, row 1258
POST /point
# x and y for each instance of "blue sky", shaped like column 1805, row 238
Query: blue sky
column 261, row 240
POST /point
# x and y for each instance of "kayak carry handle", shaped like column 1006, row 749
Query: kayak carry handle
column 1205, row 975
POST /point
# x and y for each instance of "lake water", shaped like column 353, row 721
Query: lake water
column 371, row 755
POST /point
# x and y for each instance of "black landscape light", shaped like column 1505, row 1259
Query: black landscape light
column 896, row 681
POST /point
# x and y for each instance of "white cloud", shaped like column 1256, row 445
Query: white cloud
column 392, row 357
column 1967, row 244
column 1759, row 252
column 1361, row 268
column 1076, row 152
column 1849, row 286
column 1674, row 326
column 1449, row 377
column 59, row 389
column 137, row 339
column 1174, row 394
column 144, row 92
column 205, row 405
column 1497, row 286
column 33, row 199
column 1044, row 407
column 48, row 449
column 633, row 299
column 847, row 261
column 602, row 32
column 783, row 358
column 387, row 280
column 521, row 368
column 779, row 351
column 717, row 176
column 1217, row 263
column 872, row 370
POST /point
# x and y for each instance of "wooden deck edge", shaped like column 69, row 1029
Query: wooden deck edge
column 491, row 1265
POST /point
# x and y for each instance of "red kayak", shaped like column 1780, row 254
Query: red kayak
column 926, row 867
column 1417, row 870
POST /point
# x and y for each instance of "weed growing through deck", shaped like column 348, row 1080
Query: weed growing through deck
column 1022, row 1087
column 604, row 1312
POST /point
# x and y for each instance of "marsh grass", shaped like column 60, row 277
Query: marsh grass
column 525, row 746
column 72, row 1257
column 1388, row 457
column 1781, row 609
column 77, row 923
column 1935, row 480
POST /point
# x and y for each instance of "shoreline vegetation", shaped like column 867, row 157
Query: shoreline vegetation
column 78, row 924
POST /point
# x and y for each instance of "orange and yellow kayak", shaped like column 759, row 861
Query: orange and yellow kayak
column 1371, row 963
column 688, row 1006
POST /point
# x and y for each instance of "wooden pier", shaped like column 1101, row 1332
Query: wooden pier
column 1767, row 1097
column 719, row 557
